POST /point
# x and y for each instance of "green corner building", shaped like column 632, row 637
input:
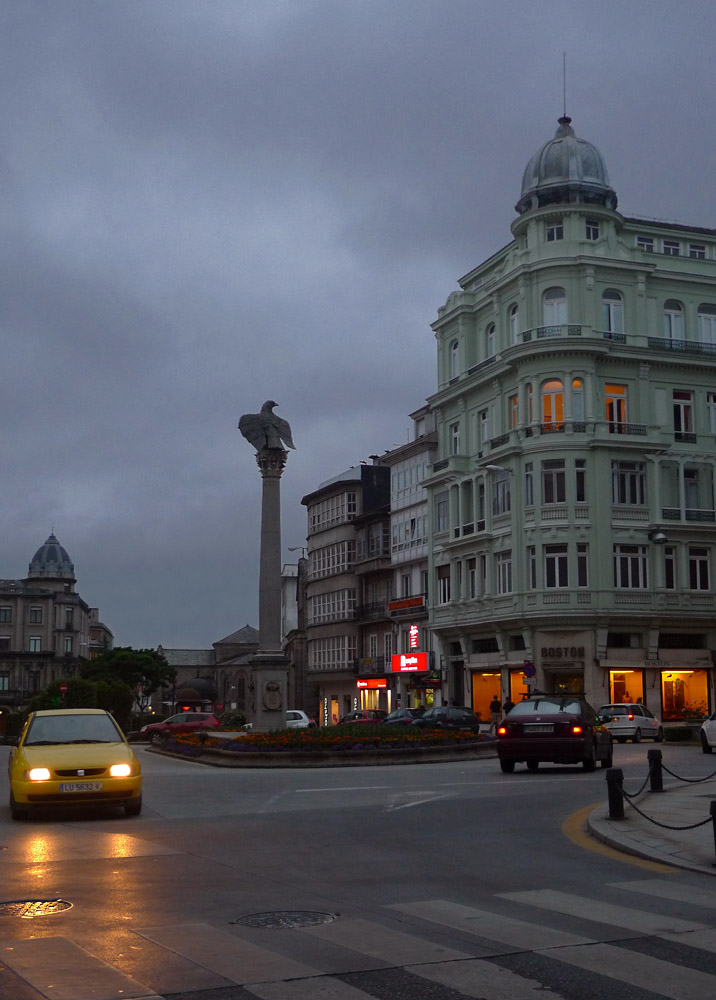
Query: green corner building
column 572, row 498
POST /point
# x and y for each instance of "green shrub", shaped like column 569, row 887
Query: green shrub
column 681, row 734
column 232, row 719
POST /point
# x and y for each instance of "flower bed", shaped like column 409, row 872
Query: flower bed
column 326, row 739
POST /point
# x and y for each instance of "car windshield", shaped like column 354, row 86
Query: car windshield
column 72, row 728
column 547, row 706
column 613, row 710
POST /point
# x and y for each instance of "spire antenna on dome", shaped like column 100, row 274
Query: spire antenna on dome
column 564, row 84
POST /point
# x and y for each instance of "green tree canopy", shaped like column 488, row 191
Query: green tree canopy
column 144, row 671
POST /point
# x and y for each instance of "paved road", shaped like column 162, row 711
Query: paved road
column 436, row 881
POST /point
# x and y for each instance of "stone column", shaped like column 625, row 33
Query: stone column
column 269, row 680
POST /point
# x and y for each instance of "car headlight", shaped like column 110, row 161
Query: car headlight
column 38, row 774
column 120, row 770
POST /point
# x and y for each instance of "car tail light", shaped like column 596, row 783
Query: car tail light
column 630, row 717
column 502, row 730
column 576, row 730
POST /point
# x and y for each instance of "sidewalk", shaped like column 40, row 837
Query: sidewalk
column 680, row 805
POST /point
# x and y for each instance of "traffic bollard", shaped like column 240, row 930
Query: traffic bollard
column 713, row 820
column 656, row 775
column 615, row 779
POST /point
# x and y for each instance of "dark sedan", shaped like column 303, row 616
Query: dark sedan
column 449, row 717
column 404, row 716
column 559, row 729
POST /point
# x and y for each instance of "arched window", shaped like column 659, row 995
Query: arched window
column 490, row 341
column 514, row 315
column 554, row 307
column 673, row 320
column 707, row 323
column 612, row 311
column 454, row 359
column 552, row 405
column 577, row 400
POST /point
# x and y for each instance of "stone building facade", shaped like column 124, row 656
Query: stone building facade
column 572, row 498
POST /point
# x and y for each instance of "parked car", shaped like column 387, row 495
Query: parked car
column 184, row 722
column 70, row 757
column 707, row 733
column 449, row 717
column 298, row 719
column 627, row 721
column 363, row 715
column 559, row 729
column 404, row 716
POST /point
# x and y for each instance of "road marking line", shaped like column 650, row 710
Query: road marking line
column 57, row 967
column 390, row 946
column 574, row 827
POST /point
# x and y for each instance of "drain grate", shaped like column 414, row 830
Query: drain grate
column 281, row 919
column 28, row 908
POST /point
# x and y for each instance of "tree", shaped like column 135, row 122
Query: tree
column 143, row 671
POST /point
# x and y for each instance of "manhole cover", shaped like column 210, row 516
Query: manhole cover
column 285, row 918
column 27, row 908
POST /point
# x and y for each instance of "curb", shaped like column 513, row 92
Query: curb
column 343, row 758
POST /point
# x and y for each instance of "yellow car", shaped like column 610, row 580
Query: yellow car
column 74, row 756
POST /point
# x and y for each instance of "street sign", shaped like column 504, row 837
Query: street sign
column 63, row 688
column 529, row 669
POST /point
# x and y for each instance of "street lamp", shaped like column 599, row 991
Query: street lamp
column 298, row 548
column 658, row 537
column 499, row 468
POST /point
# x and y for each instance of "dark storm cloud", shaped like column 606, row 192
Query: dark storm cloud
column 208, row 203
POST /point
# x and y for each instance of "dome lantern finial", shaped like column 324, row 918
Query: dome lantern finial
column 566, row 170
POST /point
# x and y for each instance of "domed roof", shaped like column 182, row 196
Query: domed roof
column 52, row 561
column 566, row 170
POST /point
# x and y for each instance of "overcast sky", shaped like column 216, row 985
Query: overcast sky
column 209, row 203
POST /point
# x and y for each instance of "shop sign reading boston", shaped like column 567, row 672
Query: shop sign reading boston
column 409, row 662
column 568, row 652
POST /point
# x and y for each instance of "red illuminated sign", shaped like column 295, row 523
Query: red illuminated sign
column 372, row 684
column 406, row 603
column 413, row 636
column 409, row 662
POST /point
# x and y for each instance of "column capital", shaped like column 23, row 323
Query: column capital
column 271, row 462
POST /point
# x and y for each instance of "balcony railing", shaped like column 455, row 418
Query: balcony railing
column 690, row 514
column 372, row 611
column 622, row 427
column 681, row 346
column 560, row 330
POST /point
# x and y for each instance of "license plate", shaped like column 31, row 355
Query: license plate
column 81, row 786
column 538, row 729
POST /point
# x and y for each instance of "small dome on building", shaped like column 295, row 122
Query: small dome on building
column 566, row 170
column 51, row 561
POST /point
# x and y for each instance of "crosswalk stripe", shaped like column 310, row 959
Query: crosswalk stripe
column 324, row 988
column 57, row 967
column 675, row 981
column 705, row 940
column 480, row 979
column 226, row 954
column 482, row 923
column 588, row 908
column 393, row 947
column 670, row 890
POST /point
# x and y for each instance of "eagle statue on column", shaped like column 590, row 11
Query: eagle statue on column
column 266, row 429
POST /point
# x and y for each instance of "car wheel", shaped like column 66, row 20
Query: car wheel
column 608, row 760
column 621, row 739
column 507, row 766
column 532, row 765
column 659, row 738
column 589, row 763
column 133, row 807
column 18, row 811
column 636, row 738
column 705, row 745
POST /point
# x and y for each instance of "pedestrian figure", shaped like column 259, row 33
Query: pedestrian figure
column 508, row 706
column 495, row 713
